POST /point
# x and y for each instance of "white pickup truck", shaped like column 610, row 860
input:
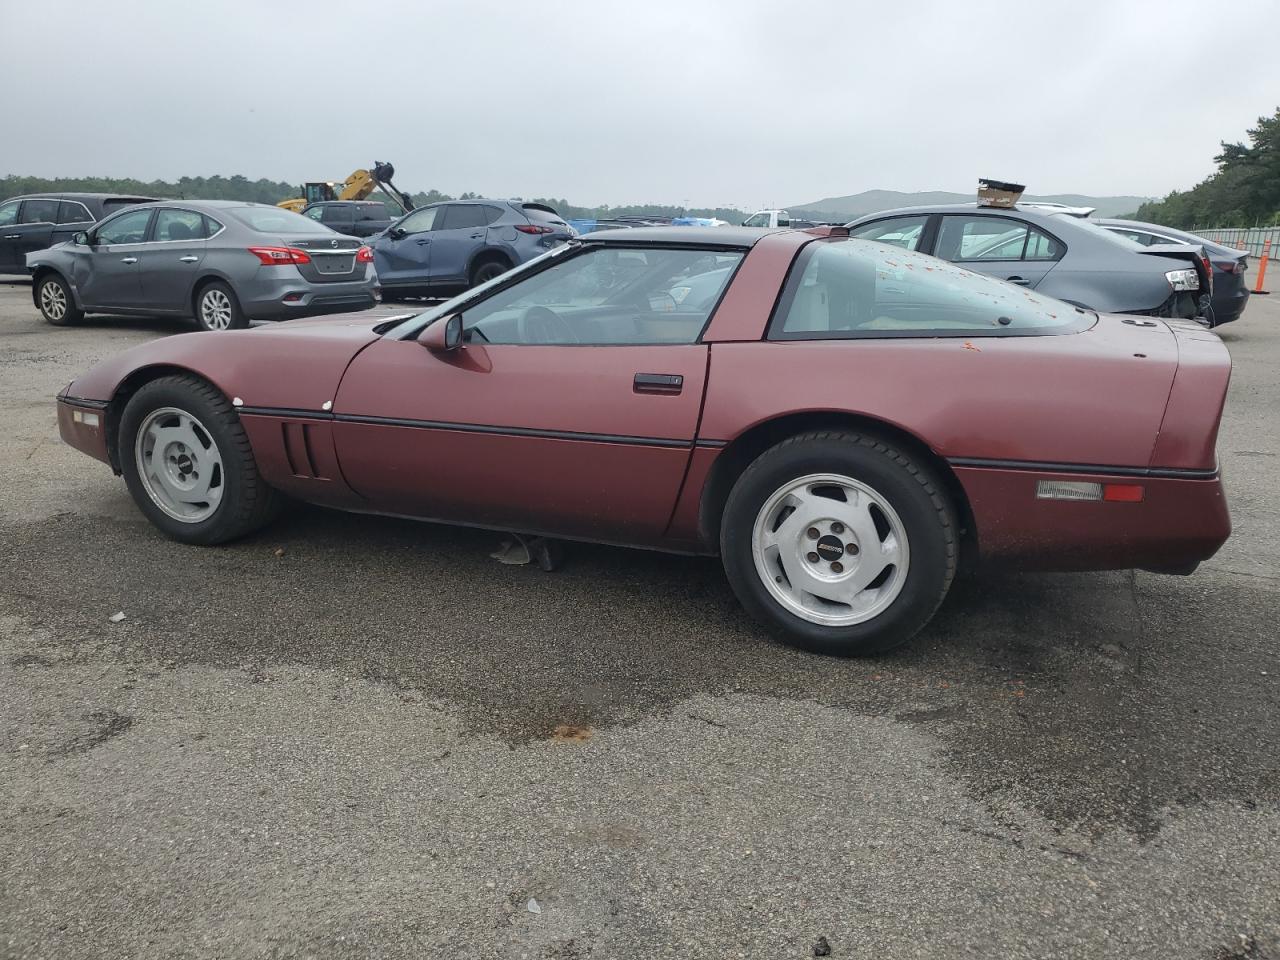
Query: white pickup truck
column 776, row 218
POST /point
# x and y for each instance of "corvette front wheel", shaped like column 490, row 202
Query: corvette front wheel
column 188, row 464
column 840, row 542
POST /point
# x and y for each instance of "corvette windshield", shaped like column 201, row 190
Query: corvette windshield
column 414, row 325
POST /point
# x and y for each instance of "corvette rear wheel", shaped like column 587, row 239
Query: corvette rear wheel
column 188, row 464
column 839, row 542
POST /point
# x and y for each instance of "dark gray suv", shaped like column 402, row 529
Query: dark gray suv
column 1053, row 253
column 40, row 220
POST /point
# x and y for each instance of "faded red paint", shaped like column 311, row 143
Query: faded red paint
column 626, row 467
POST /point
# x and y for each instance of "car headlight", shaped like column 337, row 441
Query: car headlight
column 1183, row 279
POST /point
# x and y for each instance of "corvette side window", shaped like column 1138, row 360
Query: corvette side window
column 853, row 288
column 608, row 295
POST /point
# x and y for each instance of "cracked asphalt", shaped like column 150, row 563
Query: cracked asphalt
column 356, row 737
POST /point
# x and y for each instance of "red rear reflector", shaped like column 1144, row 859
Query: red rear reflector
column 292, row 297
column 275, row 256
column 364, row 255
column 1123, row 492
column 532, row 228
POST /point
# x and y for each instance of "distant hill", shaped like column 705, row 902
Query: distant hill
column 873, row 201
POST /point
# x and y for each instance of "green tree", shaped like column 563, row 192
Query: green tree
column 1243, row 192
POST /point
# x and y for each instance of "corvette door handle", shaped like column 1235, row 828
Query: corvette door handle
column 188, row 259
column 664, row 383
column 1020, row 281
column 128, row 259
column 424, row 241
column 13, row 236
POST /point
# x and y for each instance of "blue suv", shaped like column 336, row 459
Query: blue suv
column 462, row 243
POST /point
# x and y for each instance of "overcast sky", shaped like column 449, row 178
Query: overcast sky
column 702, row 102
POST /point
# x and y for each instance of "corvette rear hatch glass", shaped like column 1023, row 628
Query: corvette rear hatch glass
column 859, row 288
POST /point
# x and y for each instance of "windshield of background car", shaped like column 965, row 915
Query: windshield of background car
column 609, row 295
column 855, row 288
column 275, row 220
column 756, row 220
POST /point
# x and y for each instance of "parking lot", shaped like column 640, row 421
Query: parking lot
column 363, row 737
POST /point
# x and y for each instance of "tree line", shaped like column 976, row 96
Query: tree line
column 272, row 191
column 1243, row 192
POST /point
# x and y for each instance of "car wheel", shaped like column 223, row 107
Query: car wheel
column 486, row 270
column 839, row 542
column 218, row 309
column 188, row 464
column 57, row 305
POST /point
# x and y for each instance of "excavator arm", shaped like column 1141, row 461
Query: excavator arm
column 358, row 185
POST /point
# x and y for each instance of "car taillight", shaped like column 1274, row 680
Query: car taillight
column 276, row 256
column 1208, row 271
column 364, row 255
column 1233, row 266
column 533, row 228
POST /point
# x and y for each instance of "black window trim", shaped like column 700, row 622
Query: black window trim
column 151, row 227
column 580, row 247
column 22, row 209
column 17, row 204
column 88, row 216
column 97, row 230
column 444, row 221
column 928, row 232
column 1062, row 247
column 786, row 295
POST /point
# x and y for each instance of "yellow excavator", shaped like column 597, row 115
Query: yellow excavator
column 357, row 186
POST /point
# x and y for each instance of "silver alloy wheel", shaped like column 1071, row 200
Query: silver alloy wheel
column 179, row 465
column 53, row 300
column 830, row 549
column 215, row 309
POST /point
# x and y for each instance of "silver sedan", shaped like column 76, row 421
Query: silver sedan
column 222, row 262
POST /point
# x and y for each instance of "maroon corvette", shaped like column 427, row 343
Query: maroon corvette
column 843, row 422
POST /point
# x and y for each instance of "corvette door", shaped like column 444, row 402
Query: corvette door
column 571, row 408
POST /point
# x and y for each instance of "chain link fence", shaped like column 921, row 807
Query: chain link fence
column 1251, row 239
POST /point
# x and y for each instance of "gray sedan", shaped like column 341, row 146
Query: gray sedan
column 1055, row 254
column 223, row 262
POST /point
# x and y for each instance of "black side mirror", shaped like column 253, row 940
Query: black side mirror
column 81, row 239
column 443, row 336
column 396, row 233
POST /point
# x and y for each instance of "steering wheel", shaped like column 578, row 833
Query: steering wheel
column 542, row 325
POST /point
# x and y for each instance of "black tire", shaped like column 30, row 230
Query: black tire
column 246, row 502
column 488, row 268
column 909, row 488
column 52, row 293
column 217, row 308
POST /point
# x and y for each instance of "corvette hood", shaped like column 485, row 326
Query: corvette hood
column 291, row 365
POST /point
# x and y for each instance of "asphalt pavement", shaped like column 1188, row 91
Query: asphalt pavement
column 356, row 737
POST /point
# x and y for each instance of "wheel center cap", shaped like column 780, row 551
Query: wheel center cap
column 185, row 465
column 830, row 548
